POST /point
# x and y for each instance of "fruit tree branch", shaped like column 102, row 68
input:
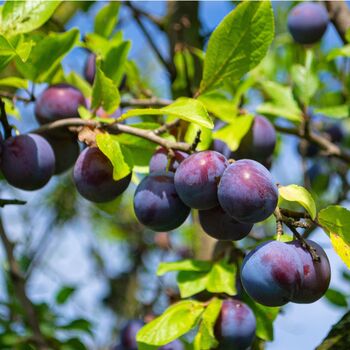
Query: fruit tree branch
column 4, row 202
column 20, row 290
column 339, row 14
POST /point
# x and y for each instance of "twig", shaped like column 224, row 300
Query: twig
column 279, row 222
column 339, row 13
column 16, row 97
column 167, row 126
column 116, row 127
column 4, row 120
column 4, row 202
column 150, row 40
column 294, row 214
column 20, row 290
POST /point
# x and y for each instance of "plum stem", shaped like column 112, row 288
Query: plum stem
column 4, row 202
column 4, row 121
column 279, row 223
column 196, row 141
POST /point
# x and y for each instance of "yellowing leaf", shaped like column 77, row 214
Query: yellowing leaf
column 341, row 247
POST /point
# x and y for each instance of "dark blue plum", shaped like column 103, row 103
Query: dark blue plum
column 197, row 177
column 317, row 274
column 272, row 273
column 159, row 160
column 66, row 150
column 335, row 133
column 90, row 68
column 28, row 161
column 157, row 204
column 246, row 191
column 174, row 345
column 259, row 143
column 58, row 102
column 307, row 22
column 93, row 177
column 128, row 334
column 236, row 326
column 218, row 224
column 221, row 147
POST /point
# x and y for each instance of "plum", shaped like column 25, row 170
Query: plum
column 307, row 22
column 246, row 191
column 90, row 68
column 272, row 273
column 157, row 204
column 218, row 224
column 159, row 160
column 66, row 150
column 93, row 177
column 174, row 345
column 128, row 334
column 235, row 328
column 259, row 143
column 197, row 177
column 28, row 161
column 58, row 102
column 335, row 133
column 221, row 147
column 317, row 274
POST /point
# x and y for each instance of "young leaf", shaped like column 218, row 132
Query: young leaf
column 205, row 136
column 106, row 19
column 184, row 108
column 336, row 297
column 80, row 83
column 205, row 333
column 64, row 294
column 222, row 278
column 184, row 265
column 343, row 51
column 15, row 82
column 238, row 44
column 233, row 133
column 295, row 193
column 336, row 112
column 121, row 160
column 104, row 92
column 191, row 282
column 176, row 321
column 16, row 46
column 24, row 16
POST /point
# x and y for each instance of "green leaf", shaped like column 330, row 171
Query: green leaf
column 79, row 324
column 11, row 109
column 106, row 19
column 191, row 282
column 25, row 16
column 336, row 112
column 282, row 102
column 184, row 265
column 119, row 157
column 205, row 333
column 47, row 54
column 113, row 64
column 176, row 321
column 343, row 51
column 15, row 82
column 84, row 113
column 238, row 44
column 222, row 278
column 105, row 93
column 79, row 82
column 16, row 46
column 64, row 294
column 205, row 136
column 295, row 193
column 184, row 108
column 233, row 133
column 336, row 297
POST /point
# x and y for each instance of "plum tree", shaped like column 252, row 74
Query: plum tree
column 90, row 68
column 128, row 334
column 236, row 326
column 174, row 345
column 28, row 161
column 58, row 102
column 218, row 224
column 317, row 274
column 157, row 204
column 246, row 191
column 259, row 143
column 159, row 160
column 197, row 177
column 93, row 177
column 272, row 273
column 307, row 22
column 66, row 150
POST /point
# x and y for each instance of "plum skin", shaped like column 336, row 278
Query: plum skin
column 246, row 191
column 90, row 68
column 159, row 160
column 157, row 204
column 218, row 224
column 197, row 177
column 236, row 326
column 317, row 274
column 307, row 22
column 93, row 177
column 58, row 102
column 272, row 273
column 174, row 345
column 28, row 161
column 66, row 150
column 128, row 334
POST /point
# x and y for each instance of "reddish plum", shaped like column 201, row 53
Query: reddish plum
column 128, row 334
column 159, row 160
